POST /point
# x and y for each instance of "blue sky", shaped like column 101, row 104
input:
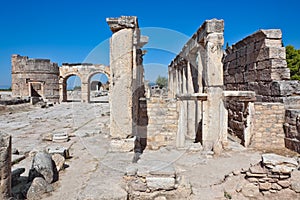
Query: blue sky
column 76, row 31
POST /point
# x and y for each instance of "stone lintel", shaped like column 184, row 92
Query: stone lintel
column 195, row 96
column 118, row 23
column 240, row 95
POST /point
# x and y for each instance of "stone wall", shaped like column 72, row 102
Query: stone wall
column 162, row 122
column 240, row 118
column 268, row 122
column 41, row 74
column 255, row 62
column 292, row 129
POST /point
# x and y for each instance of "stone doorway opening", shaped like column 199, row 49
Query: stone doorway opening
column 98, row 88
column 72, row 90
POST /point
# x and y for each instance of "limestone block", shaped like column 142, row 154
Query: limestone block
column 38, row 188
column 271, row 159
column 284, row 183
column 273, row 33
column 42, row 166
column 160, row 183
column 265, row 186
column 59, row 161
column 280, row 74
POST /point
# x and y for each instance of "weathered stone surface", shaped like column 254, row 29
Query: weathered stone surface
column 137, row 185
column 42, row 166
column 35, row 78
column 59, row 161
column 250, row 190
column 167, row 171
column 131, row 170
column 59, row 150
column 265, row 186
column 284, row 184
column 38, row 188
column 274, row 160
column 257, row 169
column 295, row 183
column 276, row 186
column 5, row 166
column 160, row 183
column 249, row 174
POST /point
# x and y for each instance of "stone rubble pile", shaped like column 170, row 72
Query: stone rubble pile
column 274, row 173
column 43, row 172
column 155, row 182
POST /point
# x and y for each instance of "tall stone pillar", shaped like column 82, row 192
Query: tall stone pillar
column 126, row 70
column 5, row 166
column 191, row 114
column 214, row 109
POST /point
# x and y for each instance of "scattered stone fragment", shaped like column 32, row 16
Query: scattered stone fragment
column 236, row 172
column 60, row 137
column 250, row 190
column 38, row 187
column 252, row 180
column 257, row 169
column 265, row 186
column 272, row 159
column 276, row 186
column 59, row 161
column 42, row 166
column 59, row 150
column 249, row 174
column 284, row 184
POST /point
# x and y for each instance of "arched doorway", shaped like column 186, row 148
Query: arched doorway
column 72, row 88
column 98, row 87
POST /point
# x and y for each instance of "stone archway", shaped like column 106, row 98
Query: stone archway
column 106, row 73
column 63, row 85
column 84, row 71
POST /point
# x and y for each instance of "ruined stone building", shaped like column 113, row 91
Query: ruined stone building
column 35, row 78
column 244, row 92
column 40, row 78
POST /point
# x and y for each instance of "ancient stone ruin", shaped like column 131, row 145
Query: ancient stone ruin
column 243, row 93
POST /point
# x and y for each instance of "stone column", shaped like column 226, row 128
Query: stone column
column 191, row 114
column 170, row 83
column 5, row 166
column 214, row 109
column 85, row 97
column 62, row 90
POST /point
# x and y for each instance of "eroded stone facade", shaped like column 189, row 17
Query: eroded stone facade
column 35, row 78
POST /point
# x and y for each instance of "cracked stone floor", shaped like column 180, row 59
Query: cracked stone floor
column 94, row 172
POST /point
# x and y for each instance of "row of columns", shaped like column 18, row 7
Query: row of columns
column 198, row 71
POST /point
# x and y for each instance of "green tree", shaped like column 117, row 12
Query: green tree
column 162, row 81
column 293, row 61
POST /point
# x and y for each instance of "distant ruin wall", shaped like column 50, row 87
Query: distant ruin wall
column 42, row 74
